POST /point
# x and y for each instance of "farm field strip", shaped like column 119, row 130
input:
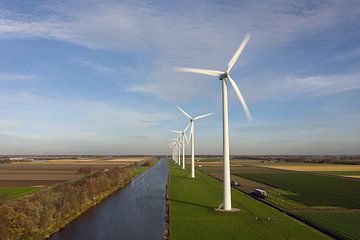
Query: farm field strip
column 312, row 167
column 7, row 193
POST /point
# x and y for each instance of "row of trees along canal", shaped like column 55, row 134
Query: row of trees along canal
column 47, row 211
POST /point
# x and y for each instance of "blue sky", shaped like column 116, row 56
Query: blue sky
column 95, row 77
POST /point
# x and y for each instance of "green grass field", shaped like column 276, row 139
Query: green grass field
column 344, row 224
column 15, row 192
column 192, row 214
column 313, row 189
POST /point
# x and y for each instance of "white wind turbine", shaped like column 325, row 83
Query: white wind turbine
column 224, row 77
column 182, row 138
column 192, row 136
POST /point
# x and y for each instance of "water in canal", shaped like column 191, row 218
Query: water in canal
column 136, row 212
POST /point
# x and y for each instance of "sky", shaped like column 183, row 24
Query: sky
column 96, row 77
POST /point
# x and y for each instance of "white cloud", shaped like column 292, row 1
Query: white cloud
column 179, row 36
column 16, row 77
column 96, row 66
column 301, row 87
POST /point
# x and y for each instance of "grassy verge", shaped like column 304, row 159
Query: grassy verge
column 140, row 169
column 192, row 214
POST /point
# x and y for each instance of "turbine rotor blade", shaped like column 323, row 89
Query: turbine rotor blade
column 199, row 71
column 241, row 98
column 187, row 127
column 237, row 53
column 185, row 113
column 176, row 131
column 202, row 116
column 187, row 140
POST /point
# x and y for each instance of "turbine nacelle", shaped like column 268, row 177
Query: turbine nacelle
column 223, row 76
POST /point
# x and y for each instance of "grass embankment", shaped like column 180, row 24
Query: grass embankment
column 192, row 214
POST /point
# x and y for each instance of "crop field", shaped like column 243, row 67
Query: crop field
column 326, row 200
column 192, row 214
column 313, row 189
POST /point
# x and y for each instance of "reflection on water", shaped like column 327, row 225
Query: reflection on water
column 136, row 212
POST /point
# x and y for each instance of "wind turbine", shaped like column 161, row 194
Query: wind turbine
column 192, row 136
column 224, row 77
column 183, row 136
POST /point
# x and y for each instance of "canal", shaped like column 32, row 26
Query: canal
column 136, row 212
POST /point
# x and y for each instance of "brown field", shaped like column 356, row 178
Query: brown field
column 50, row 172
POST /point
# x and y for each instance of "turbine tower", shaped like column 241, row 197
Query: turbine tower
column 224, row 77
column 192, row 137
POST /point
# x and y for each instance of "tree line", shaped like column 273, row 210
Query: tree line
column 47, row 211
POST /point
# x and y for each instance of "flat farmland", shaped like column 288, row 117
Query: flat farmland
column 21, row 178
column 310, row 188
column 345, row 223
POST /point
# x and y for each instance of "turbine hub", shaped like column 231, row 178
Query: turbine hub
column 223, row 76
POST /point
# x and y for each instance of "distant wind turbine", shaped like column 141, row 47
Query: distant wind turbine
column 177, row 145
column 183, row 138
column 192, row 137
column 224, row 77
column 173, row 148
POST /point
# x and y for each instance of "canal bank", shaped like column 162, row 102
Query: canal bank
column 136, row 212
